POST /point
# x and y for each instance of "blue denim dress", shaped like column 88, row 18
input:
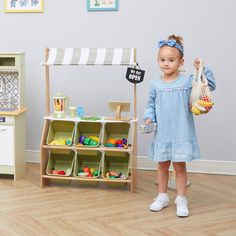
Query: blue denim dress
column 168, row 105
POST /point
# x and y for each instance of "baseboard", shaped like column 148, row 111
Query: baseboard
column 143, row 163
column 32, row 156
column 198, row 166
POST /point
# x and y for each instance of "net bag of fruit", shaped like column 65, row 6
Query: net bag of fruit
column 200, row 97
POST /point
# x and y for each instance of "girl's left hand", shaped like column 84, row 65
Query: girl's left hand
column 196, row 63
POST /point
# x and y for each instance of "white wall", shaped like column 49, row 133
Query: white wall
column 208, row 30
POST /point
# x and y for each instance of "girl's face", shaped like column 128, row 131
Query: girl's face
column 169, row 60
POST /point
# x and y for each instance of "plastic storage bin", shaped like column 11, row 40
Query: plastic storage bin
column 88, row 134
column 60, row 160
column 60, row 133
column 90, row 161
column 117, row 162
column 114, row 133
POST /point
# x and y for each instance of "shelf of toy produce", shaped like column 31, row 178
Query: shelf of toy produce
column 88, row 179
column 100, row 148
column 103, row 136
column 77, row 119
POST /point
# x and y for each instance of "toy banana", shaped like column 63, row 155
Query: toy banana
column 95, row 138
column 195, row 111
column 201, row 108
column 58, row 142
column 205, row 103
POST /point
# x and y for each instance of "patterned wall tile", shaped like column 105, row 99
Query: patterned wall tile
column 9, row 90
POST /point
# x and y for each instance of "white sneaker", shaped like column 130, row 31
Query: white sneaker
column 160, row 202
column 181, row 206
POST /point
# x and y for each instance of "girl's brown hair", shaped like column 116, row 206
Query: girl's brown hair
column 179, row 40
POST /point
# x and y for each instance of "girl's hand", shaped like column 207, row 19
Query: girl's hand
column 148, row 121
column 196, row 63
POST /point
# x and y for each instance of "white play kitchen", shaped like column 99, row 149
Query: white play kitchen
column 12, row 114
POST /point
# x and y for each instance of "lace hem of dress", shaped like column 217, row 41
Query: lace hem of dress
column 178, row 151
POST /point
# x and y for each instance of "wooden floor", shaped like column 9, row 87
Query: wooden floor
column 99, row 210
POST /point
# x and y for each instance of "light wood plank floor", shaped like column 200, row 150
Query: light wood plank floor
column 70, row 209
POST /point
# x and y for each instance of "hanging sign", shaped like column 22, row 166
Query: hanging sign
column 134, row 75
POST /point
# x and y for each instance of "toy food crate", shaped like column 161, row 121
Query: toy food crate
column 88, row 134
column 88, row 164
column 116, row 135
column 116, row 163
column 60, row 162
column 60, row 133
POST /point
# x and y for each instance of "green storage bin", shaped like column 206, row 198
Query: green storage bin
column 61, row 130
column 116, row 131
column 61, row 160
column 88, row 129
column 116, row 162
column 88, row 158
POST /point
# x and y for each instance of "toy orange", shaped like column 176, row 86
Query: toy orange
column 111, row 140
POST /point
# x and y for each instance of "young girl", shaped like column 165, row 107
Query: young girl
column 175, row 139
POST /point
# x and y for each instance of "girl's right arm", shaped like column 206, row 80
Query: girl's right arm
column 150, row 112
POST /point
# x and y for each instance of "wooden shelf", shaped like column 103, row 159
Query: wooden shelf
column 102, row 120
column 129, row 149
column 87, row 179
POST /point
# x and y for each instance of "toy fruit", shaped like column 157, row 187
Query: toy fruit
column 124, row 141
column 82, row 174
column 89, row 175
column 112, row 177
column 96, row 173
column 205, row 98
column 93, row 143
column 112, row 173
column 68, row 141
column 109, row 145
column 195, row 111
column 58, row 142
column 204, row 103
column 86, row 141
column 95, row 138
column 111, row 140
column 86, row 169
column 119, row 141
column 61, row 172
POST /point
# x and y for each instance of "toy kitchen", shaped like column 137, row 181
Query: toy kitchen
column 12, row 114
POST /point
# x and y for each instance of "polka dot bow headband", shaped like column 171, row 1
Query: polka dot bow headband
column 171, row 43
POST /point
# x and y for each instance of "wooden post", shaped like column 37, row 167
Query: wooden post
column 44, row 153
column 135, row 90
column 134, row 148
column 118, row 112
column 47, row 82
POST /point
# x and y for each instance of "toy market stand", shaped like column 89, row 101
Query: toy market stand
column 73, row 156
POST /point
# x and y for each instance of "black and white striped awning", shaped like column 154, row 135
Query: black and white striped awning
column 90, row 56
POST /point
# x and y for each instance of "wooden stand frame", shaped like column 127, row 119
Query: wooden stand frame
column 132, row 180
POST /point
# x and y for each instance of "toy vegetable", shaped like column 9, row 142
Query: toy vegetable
column 120, row 143
column 93, row 141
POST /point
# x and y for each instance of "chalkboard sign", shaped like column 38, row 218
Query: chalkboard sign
column 2, row 119
column 134, row 75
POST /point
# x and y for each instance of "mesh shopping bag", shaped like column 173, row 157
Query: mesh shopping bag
column 200, row 97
